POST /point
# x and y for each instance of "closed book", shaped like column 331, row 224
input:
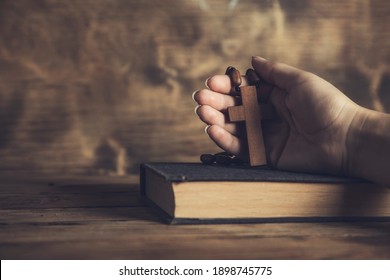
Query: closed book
column 198, row 193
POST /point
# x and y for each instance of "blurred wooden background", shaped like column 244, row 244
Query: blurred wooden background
column 98, row 86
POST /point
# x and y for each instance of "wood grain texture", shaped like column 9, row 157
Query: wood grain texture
column 252, row 118
column 96, row 87
column 103, row 226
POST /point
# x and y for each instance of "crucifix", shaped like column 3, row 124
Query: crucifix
column 251, row 112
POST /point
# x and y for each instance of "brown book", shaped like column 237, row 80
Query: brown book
column 197, row 193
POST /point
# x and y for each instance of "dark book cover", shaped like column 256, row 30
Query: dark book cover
column 182, row 172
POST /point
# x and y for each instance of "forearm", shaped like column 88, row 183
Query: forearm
column 368, row 146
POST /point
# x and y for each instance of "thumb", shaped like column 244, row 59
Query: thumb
column 277, row 74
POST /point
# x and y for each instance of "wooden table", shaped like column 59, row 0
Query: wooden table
column 105, row 218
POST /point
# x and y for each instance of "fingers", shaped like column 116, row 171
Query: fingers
column 222, row 83
column 214, row 99
column 211, row 116
column 278, row 74
column 224, row 139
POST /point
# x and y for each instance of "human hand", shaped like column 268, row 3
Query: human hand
column 312, row 126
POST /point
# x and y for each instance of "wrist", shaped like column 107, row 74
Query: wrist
column 367, row 145
column 353, row 142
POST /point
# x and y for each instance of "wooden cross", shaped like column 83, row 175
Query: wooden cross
column 249, row 112
column 252, row 113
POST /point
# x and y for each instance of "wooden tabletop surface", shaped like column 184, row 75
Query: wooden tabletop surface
column 105, row 218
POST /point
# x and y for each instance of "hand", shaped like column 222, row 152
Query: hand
column 312, row 127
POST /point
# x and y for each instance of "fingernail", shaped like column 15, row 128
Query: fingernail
column 206, row 129
column 196, row 109
column 259, row 58
column 206, row 82
column 193, row 95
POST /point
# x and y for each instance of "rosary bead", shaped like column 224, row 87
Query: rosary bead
column 234, row 75
column 207, row 158
column 223, row 159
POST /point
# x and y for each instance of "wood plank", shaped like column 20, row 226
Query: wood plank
column 136, row 232
column 57, row 192
column 76, row 216
column 119, row 241
column 175, row 247
column 133, row 217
